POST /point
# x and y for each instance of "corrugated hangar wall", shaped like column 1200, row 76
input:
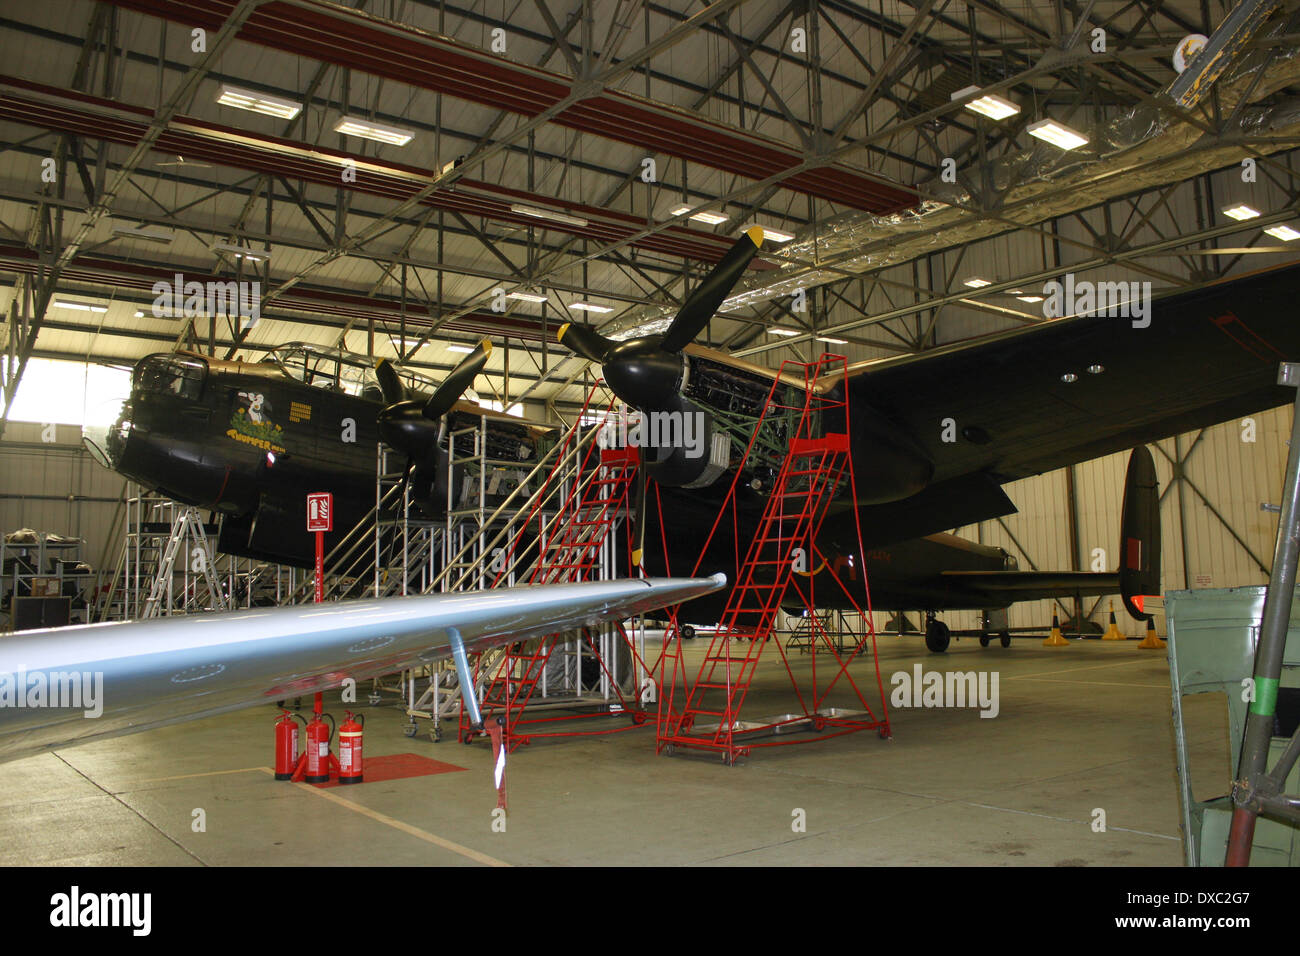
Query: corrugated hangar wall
column 1228, row 537
column 57, row 487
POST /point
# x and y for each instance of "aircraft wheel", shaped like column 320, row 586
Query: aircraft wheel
column 984, row 640
column 1005, row 638
column 936, row 636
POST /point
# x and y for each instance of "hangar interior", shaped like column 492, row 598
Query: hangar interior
column 403, row 179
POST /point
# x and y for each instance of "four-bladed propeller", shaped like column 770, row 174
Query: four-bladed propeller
column 411, row 425
column 648, row 372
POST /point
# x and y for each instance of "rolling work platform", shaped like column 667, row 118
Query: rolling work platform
column 706, row 713
column 567, row 533
column 169, row 565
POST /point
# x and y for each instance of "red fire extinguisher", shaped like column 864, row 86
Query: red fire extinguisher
column 286, row 745
column 350, row 762
column 318, row 749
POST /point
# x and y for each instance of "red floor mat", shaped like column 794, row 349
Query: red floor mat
column 397, row 767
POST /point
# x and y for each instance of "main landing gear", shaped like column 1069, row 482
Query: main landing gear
column 936, row 634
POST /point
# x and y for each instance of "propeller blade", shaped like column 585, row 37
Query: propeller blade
column 389, row 383
column 697, row 310
column 584, row 340
column 457, row 381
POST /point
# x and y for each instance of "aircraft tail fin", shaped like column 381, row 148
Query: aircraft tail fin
column 1139, row 545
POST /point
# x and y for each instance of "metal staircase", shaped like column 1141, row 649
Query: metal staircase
column 706, row 713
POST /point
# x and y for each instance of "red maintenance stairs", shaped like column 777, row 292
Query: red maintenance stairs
column 783, row 555
column 572, row 547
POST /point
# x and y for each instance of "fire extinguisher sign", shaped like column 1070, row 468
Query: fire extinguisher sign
column 320, row 511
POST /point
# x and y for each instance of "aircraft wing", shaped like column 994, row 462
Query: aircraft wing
column 1070, row 390
column 1000, row 588
column 136, row 675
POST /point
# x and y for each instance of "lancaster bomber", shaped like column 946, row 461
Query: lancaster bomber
column 933, row 436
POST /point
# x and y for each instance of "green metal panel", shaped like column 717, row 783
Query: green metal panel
column 1212, row 637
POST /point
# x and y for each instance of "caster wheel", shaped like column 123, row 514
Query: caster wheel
column 1004, row 639
column 639, row 717
column 670, row 749
column 884, row 734
column 435, row 736
column 411, row 729
column 375, row 700
column 984, row 640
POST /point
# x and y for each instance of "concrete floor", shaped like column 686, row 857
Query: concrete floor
column 1080, row 728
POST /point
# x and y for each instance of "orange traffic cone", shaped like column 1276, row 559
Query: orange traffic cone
column 1151, row 642
column 1055, row 639
column 1112, row 631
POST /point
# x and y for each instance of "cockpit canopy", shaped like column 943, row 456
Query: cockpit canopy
column 339, row 370
column 180, row 375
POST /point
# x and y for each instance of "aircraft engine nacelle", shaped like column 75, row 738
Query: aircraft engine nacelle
column 681, row 447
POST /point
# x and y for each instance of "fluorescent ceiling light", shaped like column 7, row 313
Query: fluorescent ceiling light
column 776, row 235
column 589, row 307
column 463, row 349
column 147, row 233
column 399, row 344
column 257, row 102
column 1240, row 211
column 526, row 296
column 777, row 331
column 1058, row 134
column 355, row 126
column 711, row 218
column 990, row 104
column 79, row 306
column 1285, row 233
column 832, row 340
column 1030, row 298
column 549, row 214
column 240, row 252
column 977, row 283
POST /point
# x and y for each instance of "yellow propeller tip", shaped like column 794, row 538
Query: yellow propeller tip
column 755, row 234
column 559, row 336
column 486, row 346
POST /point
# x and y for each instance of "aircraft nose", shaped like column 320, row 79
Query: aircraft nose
column 105, row 432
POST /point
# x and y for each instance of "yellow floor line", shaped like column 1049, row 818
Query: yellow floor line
column 406, row 828
column 1094, row 683
column 1071, row 670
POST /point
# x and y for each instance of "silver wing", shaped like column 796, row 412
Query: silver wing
column 69, row 685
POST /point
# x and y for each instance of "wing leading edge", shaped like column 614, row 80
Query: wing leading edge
column 125, row 677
